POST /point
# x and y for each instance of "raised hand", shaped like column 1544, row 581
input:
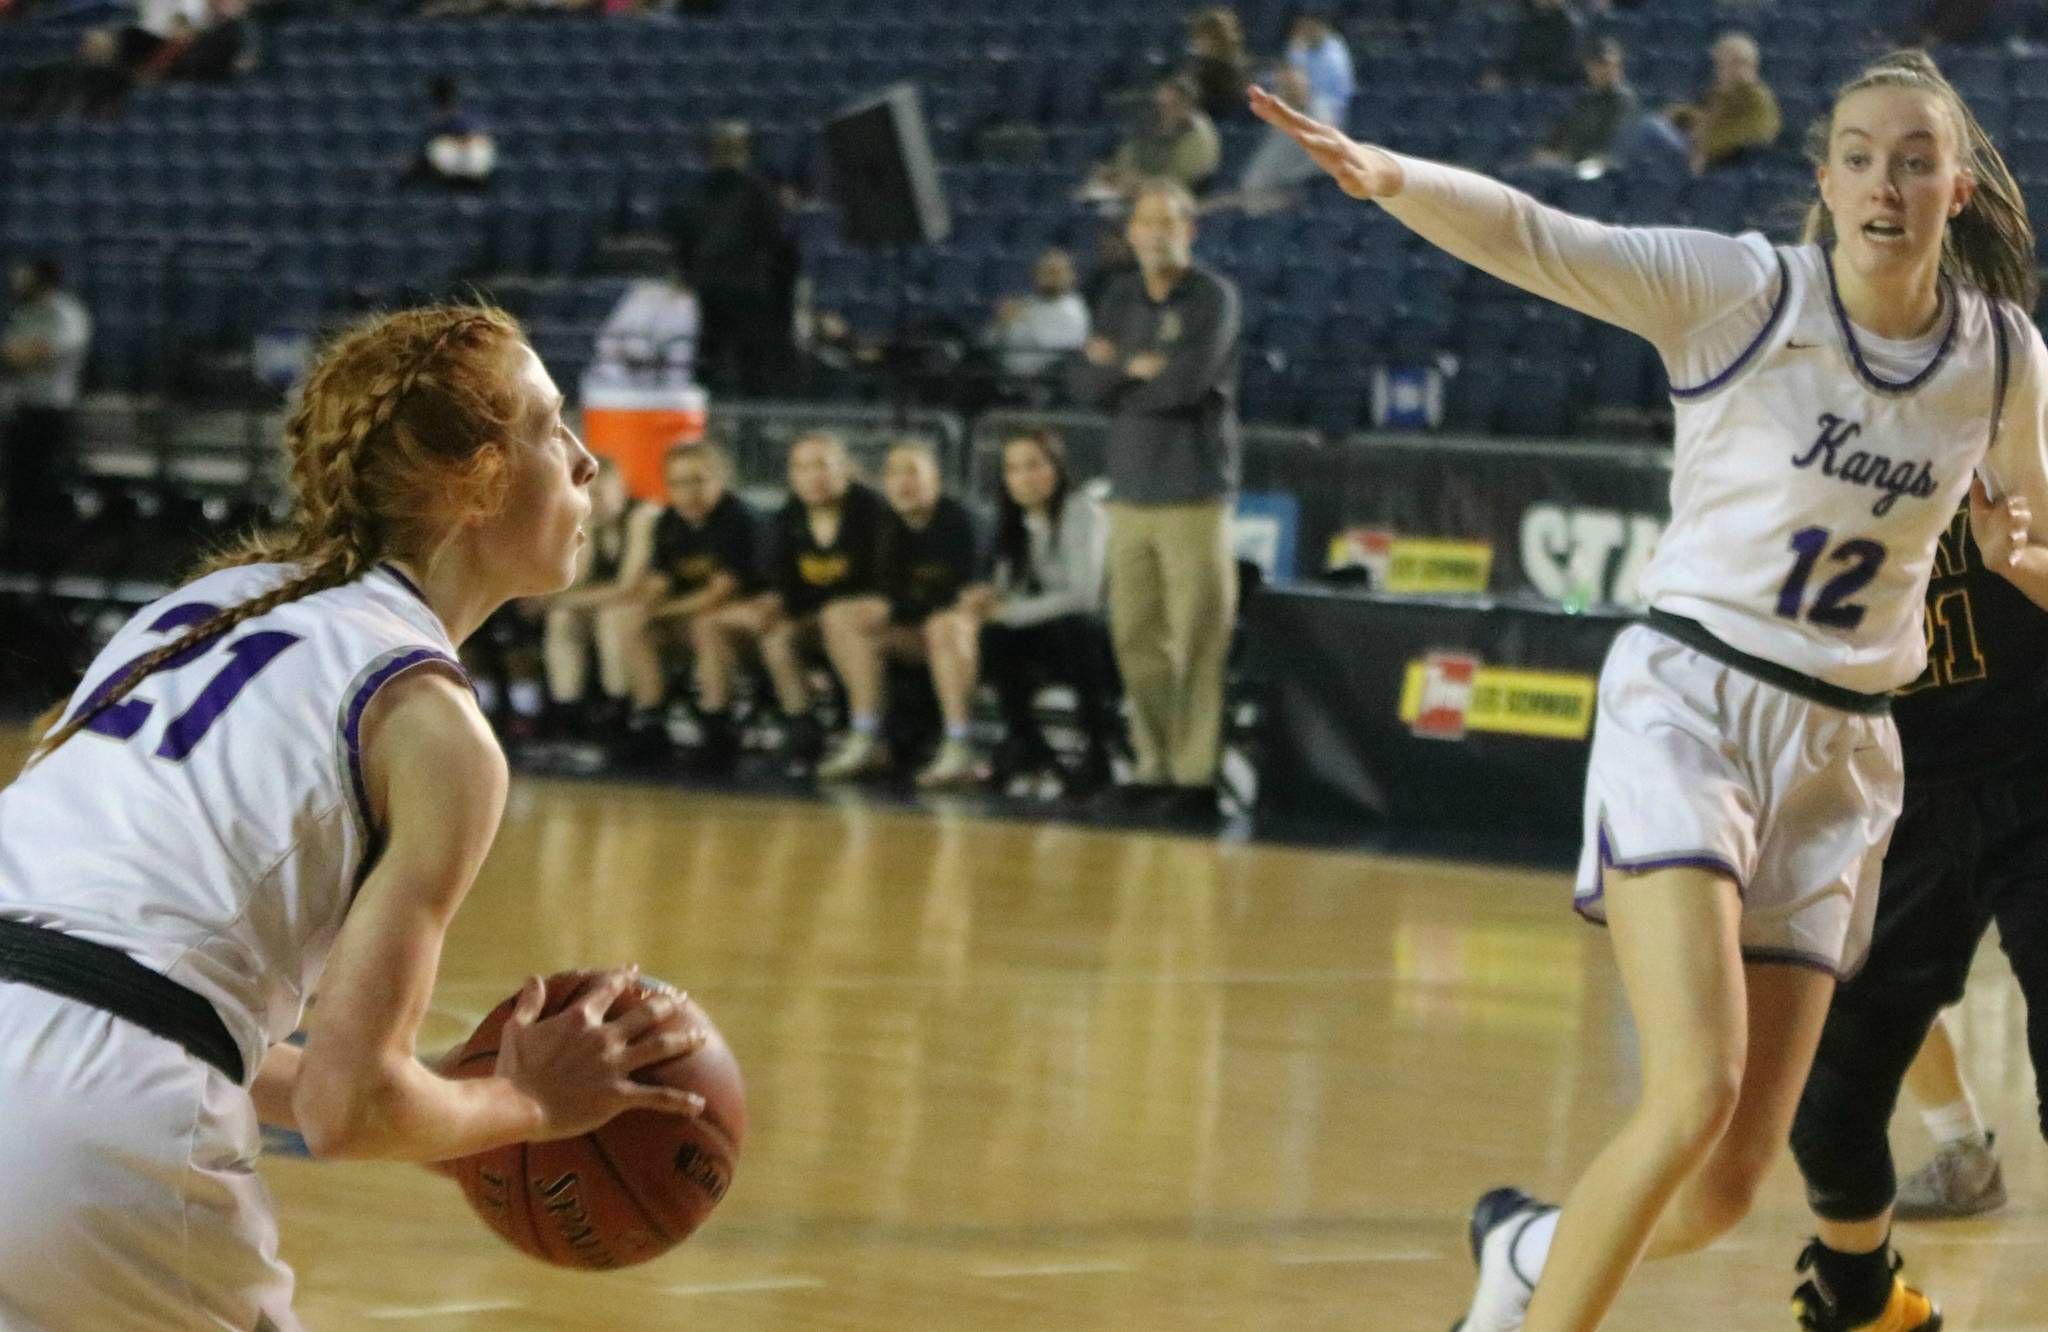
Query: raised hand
column 578, row 1065
column 1360, row 170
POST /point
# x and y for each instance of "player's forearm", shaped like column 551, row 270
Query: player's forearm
column 1653, row 283
column 403, row 1111
column 713, row 594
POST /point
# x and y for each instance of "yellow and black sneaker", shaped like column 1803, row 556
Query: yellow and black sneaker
column 1817, row 1310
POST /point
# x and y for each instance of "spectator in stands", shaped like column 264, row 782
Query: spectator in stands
column 1937, row 22
column 1216, row 63
column 1659, row 142
column 457, row 152
column 1589, row 127
column 1177, row 142
column 650, row 338
column 1542, row 46
column 1163, row 361
column 683, row 561
column 1324, row 59
column 1033, row 333
column 42, row 363
column 1740, row 114
column 212, row 53
column 1278, row 173
column 824, row 548
column 739, row 252
column 112, row 58
column 1039, row 620
column 573, row 623
column 928, row 556
column 158, row 23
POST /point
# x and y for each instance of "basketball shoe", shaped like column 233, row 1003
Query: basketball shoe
column 1508, row 1270
column 1819, row 1310
column 1963, row 1179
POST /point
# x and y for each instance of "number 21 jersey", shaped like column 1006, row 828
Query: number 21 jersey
column 213, row 824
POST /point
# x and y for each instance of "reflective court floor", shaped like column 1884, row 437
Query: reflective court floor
column 1005, row 1075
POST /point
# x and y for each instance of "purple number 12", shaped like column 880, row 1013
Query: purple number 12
column 1864, row 559
column 248, row 655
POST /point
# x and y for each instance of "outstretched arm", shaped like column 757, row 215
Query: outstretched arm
column 1666, row 284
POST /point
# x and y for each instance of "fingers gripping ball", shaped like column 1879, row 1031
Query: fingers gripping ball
column 628, row 1191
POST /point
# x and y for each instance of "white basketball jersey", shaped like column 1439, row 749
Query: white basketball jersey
column 1807, row 492
column 213, row 824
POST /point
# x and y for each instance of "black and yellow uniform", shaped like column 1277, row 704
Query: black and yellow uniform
column 1970, row 847
column 924, row 568
column 808, row 574
column 690, row 554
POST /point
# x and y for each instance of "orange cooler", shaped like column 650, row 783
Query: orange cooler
column 635, row 425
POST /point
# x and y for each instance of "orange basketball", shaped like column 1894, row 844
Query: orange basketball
column 628, row 1191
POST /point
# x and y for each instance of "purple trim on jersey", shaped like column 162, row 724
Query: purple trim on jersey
column 1778, row 308
column 1848, row 331
column 352, row 716
column 403, row 581
column 1673, row 860
column 2003, row 360
column 1707, row 860
column 1789, row 957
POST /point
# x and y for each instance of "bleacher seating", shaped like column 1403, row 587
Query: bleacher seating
column 600, row 123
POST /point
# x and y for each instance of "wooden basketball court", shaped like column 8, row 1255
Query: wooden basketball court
column 1020, row 1076
column 1016, row 1076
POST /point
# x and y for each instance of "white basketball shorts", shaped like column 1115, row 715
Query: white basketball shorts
column 133, row 1203
column 1697, row 763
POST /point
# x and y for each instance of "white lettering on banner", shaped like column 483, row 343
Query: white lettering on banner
column 1570, row 554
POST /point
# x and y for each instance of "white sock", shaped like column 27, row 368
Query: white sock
column 526, row 697
column 1955, row 1122
column 961, row 733
column 1532, row 1246
column 866, row 724
column 486, row 692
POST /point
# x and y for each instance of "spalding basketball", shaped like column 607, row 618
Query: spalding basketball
column 623, row 1193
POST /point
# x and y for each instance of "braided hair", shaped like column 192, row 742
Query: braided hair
column 1990, row 244
column 391, row 435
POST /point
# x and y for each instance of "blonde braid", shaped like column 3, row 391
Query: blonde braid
column 334, row 536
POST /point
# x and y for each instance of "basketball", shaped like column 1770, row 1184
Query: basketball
column 623, row 1193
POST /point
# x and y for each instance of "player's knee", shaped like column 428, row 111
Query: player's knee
column 1839, row 1141
column 1728, row 1184
column 1692, row 1107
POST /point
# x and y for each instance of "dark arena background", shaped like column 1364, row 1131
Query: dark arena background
column 1028, row 1045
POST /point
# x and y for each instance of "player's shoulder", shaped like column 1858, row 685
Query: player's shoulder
column 423, row 732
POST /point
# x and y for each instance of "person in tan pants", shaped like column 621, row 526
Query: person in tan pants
column 1172, row 601
column 1163, row 361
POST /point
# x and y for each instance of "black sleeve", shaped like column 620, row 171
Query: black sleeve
column 868, row 542
column 962, row 547
column 735, row 548
column 1096, row 385
column 780, row 563
column 1198, row 363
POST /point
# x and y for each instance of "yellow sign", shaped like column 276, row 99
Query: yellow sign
column 1417, row 564
column 1546, row 704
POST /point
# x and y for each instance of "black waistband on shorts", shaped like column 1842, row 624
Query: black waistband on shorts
column 1697, row 637
column 114, row 982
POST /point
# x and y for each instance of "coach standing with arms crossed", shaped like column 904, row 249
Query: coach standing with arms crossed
column 1163, row 362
